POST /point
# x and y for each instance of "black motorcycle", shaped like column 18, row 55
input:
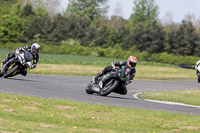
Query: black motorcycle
column 198, row 75
column 113, row 81
column 16, row 64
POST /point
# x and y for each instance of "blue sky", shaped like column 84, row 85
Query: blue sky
column 178, row 8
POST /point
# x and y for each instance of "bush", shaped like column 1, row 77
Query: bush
column 115, row 52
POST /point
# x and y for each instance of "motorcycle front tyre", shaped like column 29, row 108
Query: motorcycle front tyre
column 88, row 89
column 10, row 72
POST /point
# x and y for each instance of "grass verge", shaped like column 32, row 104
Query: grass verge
column 191, row 97
column 143, row 71
column 30, row 114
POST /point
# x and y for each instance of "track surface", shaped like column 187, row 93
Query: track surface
column 73, row 88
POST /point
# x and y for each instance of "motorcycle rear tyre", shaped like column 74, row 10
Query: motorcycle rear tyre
column 111, row 89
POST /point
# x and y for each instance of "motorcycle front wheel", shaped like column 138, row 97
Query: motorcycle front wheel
column 11, row 72
column 88, row 89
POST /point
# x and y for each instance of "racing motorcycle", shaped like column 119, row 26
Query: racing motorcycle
column 113, row 81
column 198, row 74
column 20, row 62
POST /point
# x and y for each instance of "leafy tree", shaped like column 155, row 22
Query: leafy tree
column 85, row 8
column 127, row 39
column 52, row 7
column 77, row 28
column 113, row 38
column 72, row 27
column 148, row 38
column 40, row 12
column 144, row 11
column 12, row 24
column 41, row 27
column 11, row 2
column 27, row 11
column 117, row 22
column 170, row 39
column 38, row 24
column 60, row 29
column 183, row 41
column 12, row 28
column 93, row 35
column 5, row 8
column 100, row 35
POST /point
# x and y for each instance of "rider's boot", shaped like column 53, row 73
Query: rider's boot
column 122, row 91
column 23, row 72
column 95, row 78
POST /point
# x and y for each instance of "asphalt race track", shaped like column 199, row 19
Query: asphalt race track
column 73, row 88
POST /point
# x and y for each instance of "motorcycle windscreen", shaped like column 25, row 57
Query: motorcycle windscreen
column 28, row 56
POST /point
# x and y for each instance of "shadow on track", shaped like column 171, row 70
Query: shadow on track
column 116, row 97
column 21, row 79
column 122, row 98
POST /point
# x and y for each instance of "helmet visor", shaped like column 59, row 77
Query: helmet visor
column 132, row 64
column 36, row 50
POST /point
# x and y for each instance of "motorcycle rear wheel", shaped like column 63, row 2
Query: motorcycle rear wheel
column 111, row 87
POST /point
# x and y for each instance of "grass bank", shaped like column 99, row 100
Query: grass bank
column 29, row 114
column 146, row 71
column 191, row 97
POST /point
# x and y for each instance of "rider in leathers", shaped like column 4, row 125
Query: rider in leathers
column 129, row 68
column 197, row 67
column 34, row 49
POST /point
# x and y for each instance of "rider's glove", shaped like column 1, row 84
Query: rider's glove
column 112, row 65
column 18, row 50
column 33, row 66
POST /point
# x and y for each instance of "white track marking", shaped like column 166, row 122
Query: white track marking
column 165, row 102
column 136, row 95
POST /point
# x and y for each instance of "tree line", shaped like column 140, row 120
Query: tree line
column 85, row 23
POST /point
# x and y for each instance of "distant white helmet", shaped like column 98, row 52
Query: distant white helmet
column 35, row 48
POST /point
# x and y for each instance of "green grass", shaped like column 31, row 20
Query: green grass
column 30, row 114
column 68, row 59
column 80, row 60
column 142, row 71
column 191, row 97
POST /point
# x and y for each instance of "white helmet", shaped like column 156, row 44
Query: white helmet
column 35, row 48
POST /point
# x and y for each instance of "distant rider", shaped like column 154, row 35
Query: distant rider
column 33, row 49
column 197, row 67
column 129, row 68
